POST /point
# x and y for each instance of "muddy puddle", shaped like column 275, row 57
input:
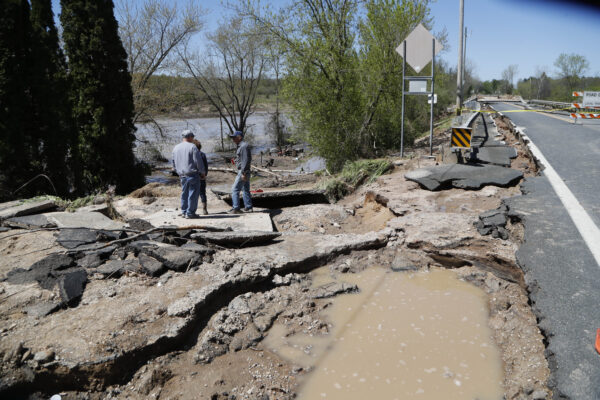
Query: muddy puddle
column 417, row 335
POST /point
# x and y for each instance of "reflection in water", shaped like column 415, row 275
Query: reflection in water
column 422, row 335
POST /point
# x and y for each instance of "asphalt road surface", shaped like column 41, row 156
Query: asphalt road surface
column 560, row 268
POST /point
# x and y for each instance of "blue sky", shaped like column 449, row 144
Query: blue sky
column 528, row 33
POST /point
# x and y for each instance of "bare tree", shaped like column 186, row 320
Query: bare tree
column 571, row 68
column 230, row 70
column 152, row 31
column 508, row 75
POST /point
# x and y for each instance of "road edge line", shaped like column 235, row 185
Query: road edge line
column 582, row 220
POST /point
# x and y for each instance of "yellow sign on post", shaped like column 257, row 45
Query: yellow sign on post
column 461, row 137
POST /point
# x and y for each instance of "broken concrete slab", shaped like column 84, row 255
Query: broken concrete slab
column 29, row 222
column 111, row 269
column 88, row 261
column 71, row 238
column 43, row 271
column 71, row 286
column 198, row 248
column 274, row 199
column 91, row 220
column 236, row 239
column 464, row 176
column 150, row 265
column 175, row 258
column 498, row 155
column 99, row 208
column 257, row 221
column 26, row 208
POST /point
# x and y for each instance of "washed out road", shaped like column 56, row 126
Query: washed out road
column 560, row 268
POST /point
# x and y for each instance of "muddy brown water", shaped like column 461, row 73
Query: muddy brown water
column 417, row 335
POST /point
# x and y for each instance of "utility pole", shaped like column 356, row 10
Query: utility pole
column 464, row 61
column 459, row 67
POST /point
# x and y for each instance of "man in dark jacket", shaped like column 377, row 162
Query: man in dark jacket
column 243, row 158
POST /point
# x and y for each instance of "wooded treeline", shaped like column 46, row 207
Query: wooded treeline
column 66, row 113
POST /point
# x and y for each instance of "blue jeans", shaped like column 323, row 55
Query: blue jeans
column 244, row 186
column 203, row 190
column 190, row 189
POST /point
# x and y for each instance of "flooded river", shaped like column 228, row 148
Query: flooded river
column 404, row 336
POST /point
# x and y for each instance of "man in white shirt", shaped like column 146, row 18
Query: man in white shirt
column 188, row 164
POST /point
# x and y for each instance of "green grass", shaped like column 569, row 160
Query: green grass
column 353, row 175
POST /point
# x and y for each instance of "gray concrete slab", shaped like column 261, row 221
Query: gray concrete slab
column 11, row 209
column 29, row 222
column 464, row 176
column 498, row 155
column 91, row 220
column 562, row 278
column 256, row 221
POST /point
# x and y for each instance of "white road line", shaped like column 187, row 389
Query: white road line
column 582, row 220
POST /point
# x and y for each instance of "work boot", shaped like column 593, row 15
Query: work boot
column 204, row 210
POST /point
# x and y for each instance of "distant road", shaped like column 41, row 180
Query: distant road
column 560, row 268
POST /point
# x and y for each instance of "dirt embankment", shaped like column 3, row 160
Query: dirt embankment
column 197, row 329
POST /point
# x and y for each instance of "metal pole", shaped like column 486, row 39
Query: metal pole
column 432, row 96
column 402, row 123
column 459, row 67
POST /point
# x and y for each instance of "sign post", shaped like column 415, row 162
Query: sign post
column 417, row 58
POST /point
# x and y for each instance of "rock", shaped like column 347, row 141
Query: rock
column 100, row 249
column 111, row 269
column 44, row 356
column 279, row 280
column 236, row 239
column 503, row 233
column 43, row 271
column 109, row 236
column 29, row 222
column 495, row 220
column 150, row 266
column 92, row 260
column 139, row 224
column 99, row 208
column 4, row 229
column 176, row 259
column 245, row 339
column 41, row 309
column 400, row 264
column 13, row 355
column 239, row 305
column 464, row 176
column 71, row 285
column 333, row 289
column 71, row 238
column 25, row 208
column 483, row 231
column 198, row 248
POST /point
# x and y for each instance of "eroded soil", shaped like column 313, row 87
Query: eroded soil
column 208, row 332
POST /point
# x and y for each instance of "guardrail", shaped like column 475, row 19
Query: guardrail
column 465, row 119
column 556, row 104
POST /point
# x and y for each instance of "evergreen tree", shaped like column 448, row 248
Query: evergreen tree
column 101, row 95
column 19, row 156
column 52, row 111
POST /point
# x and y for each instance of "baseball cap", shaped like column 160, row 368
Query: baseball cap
column 236, row 133
column 187, row 133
